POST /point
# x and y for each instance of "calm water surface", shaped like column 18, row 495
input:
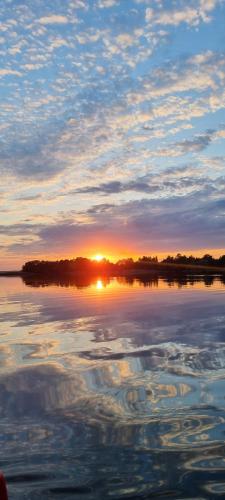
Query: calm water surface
column 113, row 390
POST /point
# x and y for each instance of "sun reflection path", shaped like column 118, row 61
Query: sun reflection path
column 99, row 285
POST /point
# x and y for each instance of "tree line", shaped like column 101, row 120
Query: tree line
column 89, row 266
column 206, row 260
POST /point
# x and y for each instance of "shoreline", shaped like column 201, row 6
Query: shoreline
column 145, row 270
column 10, row 273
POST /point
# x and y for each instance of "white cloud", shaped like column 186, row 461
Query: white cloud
column 125, row 40
column 104, row 4
column 14, row 50
column 78, row 4
column 54, row 19
column 191, row 14
column 220, row 134
column 6, row 72
column 32, row 67
column 58, row 42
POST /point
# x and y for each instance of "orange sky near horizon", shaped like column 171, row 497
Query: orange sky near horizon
column 10, row 262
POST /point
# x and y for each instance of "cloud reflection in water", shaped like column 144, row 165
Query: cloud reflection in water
column 120, row 392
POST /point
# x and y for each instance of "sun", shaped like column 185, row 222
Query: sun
column 99, row 257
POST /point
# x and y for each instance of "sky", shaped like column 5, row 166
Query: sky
column 112, row 128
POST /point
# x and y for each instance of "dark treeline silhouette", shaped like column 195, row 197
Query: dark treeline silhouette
column 206, row 260
column 92, row 267
column 80, row 265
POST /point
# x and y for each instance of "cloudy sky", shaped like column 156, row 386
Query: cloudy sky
column 112, row 128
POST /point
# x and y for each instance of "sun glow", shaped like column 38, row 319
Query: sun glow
column 99, row 285
column 99, row 257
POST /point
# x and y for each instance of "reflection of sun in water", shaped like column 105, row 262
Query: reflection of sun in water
column 99, row 285
column 98, row 257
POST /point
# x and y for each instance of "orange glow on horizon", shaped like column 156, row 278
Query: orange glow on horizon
column 99, row 257
column 112, row 253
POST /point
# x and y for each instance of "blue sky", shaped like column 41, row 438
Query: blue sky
column 112, row 128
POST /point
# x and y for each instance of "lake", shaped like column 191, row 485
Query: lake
column 113, row 389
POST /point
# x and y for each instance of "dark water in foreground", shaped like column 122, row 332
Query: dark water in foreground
column 113, row 391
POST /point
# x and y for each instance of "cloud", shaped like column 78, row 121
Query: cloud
column 31, row 159
column 176, row 180
column 58, row 42
column 32, row 67
column 105, row 4
column 125, row 40
column 189, row 14
column 102, row 108
column 194, row 220
column 204, row 72
column 198, row 143
column 213, row 162
column 8, row 72
column 28, row 197
column 118, row 187
column 53, row 19
column 78, row 4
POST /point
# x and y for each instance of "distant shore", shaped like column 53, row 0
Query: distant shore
column 11, row 273
column 123, row 271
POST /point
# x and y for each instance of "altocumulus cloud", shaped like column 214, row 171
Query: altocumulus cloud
column 104, row 103
column 53, row 19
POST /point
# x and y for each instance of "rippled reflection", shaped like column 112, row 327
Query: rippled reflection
column 139, row 279
column 113, row 388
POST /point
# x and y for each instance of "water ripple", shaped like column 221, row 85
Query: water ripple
column 115, row 393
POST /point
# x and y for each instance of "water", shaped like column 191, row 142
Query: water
column 113, row 389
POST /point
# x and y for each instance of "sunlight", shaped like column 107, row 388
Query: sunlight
column 98, row 257
column 99, row 285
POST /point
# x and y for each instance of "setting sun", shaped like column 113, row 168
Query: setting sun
column 98, row 257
